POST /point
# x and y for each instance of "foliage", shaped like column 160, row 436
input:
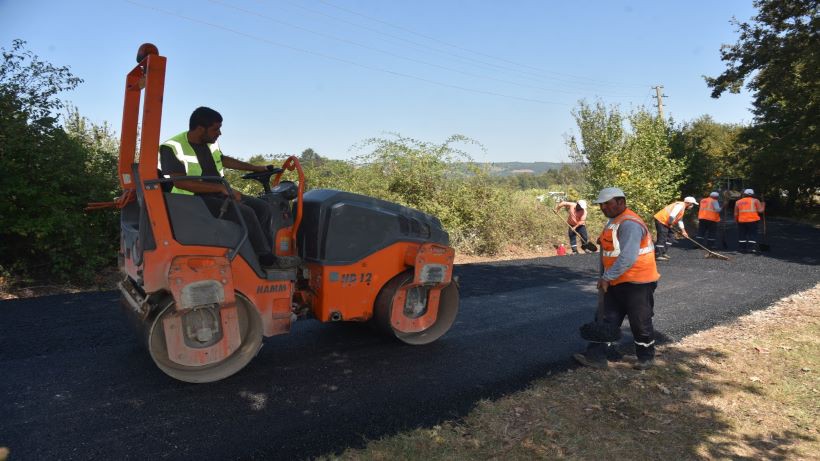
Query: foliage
column 49, row 175
column 34, row 83
column 710, row 151
column 637, row 160
column 777, row 57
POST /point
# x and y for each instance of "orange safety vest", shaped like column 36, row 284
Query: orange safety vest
column 747, row 209
column 663, row 215
column 644, row 270
column 708, row 211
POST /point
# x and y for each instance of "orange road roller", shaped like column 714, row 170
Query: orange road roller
column 196, row 289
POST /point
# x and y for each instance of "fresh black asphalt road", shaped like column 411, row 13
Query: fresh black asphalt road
column 75, row 384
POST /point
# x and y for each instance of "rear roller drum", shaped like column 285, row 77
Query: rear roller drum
column 415, row 305
column 250, row 333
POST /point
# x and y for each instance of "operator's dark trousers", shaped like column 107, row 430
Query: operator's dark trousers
column 636, row 301
column 747, row 235
column 707, row 231
column 572, row 237
column 256, row 214
column 663, row 240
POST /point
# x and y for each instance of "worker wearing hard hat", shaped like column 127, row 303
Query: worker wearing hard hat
column 628, row 278
column 665, row 220
column 708, row 219
column 747, row 214
column 577, row 220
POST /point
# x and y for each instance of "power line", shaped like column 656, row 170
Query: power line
column 398, row 56
column 485, row 64
column 458, row 47
column 334, row 58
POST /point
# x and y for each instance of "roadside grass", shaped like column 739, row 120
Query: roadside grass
column 747, row 390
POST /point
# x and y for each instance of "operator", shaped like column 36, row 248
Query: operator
column 577, row 220
column 196, row 153
column 708, row 219
column 664, row 221
column 747, row 215
column 628, row 278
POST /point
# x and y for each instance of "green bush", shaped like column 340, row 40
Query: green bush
column 48, row 178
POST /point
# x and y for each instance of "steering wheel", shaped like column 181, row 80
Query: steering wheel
column 263, row 177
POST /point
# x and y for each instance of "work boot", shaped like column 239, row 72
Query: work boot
column 600, row 364
column 663, row 258
column 644, row 364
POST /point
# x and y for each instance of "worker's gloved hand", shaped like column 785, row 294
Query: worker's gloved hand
column 684, row 233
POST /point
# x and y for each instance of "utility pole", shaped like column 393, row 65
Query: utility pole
column 659, row 96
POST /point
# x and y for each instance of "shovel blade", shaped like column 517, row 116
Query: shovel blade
column 589, row 246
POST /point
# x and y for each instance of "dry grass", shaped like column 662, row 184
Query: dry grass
column 746, row 391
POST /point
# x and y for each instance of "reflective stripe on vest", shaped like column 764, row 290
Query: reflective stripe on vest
column 186, row 154
column 747, row 209
column 708, row 211
column 644, row 270
column 663, row 215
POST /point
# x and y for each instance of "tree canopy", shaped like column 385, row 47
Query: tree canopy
column 777, row 57
column 637, row 160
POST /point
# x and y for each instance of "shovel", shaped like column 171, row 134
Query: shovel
column 589, row 246
column 708, row 251
column 764, row 245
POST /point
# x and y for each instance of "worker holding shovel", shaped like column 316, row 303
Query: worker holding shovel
column 665, row 220
column 626, row 287
column 577, row 223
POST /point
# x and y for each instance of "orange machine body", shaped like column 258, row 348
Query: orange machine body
column 205, row 307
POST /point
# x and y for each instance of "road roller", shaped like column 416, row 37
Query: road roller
column 201, row 299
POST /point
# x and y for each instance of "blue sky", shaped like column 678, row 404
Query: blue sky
column 289, row 74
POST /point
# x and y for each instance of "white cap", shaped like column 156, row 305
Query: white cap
column 582, row 204
column 714, row 195
column 608, row 194
column 690, row 200
column 749, row 192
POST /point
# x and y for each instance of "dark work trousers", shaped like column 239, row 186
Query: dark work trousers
column 747, row 235
column 256, row 213
column 572, row 237
column 707, row 232
column 636, row 301
column 663, row 240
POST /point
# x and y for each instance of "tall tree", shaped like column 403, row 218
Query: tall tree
column 777, row 57
column 638, row 160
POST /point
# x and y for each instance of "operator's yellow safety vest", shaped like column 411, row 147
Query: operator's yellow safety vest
column 186, row 154
column 747, row 209
column 644, row 270
column 708, row 211
column 663, row 215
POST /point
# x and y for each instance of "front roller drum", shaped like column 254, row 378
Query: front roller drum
column 400, row 304
column 248, row 326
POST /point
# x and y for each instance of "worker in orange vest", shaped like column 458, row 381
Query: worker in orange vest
column 628, row 278
column 665, row 219
column 747, row 214
column 708, row 219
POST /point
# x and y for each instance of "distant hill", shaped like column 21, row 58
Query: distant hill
column 512, row 168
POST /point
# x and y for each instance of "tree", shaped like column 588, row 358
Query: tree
column 638, row 161
column 710, row 151
column 777, row 57
column 49, row 175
